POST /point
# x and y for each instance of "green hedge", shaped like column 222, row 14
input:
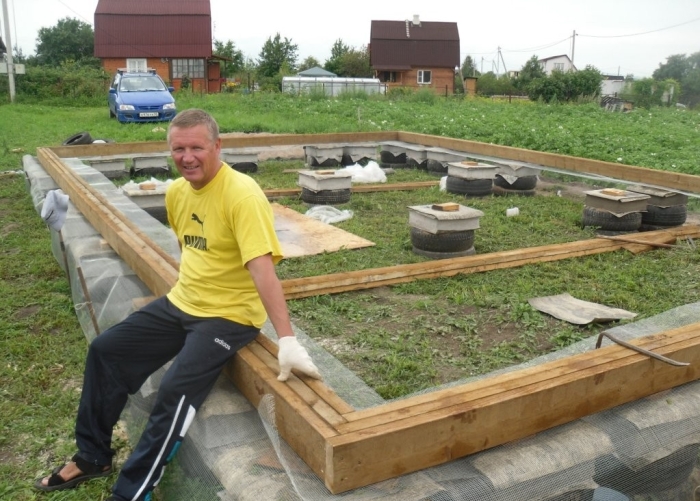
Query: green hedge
column 82, row 85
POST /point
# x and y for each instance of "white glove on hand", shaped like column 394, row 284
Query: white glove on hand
column 292, row 355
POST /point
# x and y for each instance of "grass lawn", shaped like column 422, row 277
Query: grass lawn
column 399, row 339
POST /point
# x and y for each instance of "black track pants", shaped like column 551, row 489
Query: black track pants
column 120, row 360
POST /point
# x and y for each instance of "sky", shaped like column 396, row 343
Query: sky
column 618, row 37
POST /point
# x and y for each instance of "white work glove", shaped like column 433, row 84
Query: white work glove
column 292, row 355
column 54, row 209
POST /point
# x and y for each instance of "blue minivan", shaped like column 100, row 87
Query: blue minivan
column 140, row 97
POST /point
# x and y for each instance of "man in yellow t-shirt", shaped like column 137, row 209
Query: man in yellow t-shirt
column 227, row 287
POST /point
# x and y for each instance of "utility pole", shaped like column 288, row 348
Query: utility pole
column 10, row 66
column 500, row 54
column 573, row 47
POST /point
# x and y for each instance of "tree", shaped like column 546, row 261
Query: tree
column 469, row 68
column 235, row 57
column 69, row 40
column 355, row 63
column 686, row 71
column 529, row 72
column 676, row 67
column 490, row 85
column 308, row 63
column 274, row 54
column 334, row 63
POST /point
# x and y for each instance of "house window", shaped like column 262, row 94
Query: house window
column 193, row 68
column 135, row 65
column 388, row 76
column 424, row 76
column 558, row 66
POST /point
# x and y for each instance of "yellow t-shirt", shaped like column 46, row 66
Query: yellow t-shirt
column 220, row 228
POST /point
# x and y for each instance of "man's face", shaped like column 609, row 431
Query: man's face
column 195, row 155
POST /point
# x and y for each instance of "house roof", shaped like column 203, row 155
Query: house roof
column 405, row 44
column 153, row 28
column 154, row 7
column 554, row 57
column 316, row 72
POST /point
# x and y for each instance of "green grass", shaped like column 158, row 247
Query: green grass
column 399, row 339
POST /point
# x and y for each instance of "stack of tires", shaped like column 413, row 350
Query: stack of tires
column 443, row 231
column 515, row 179
column 471, row 179
column 325, row 187
column 665, row 209
column 614, row 211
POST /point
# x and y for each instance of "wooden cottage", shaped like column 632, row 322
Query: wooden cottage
column 171, row 36
column 415, row 54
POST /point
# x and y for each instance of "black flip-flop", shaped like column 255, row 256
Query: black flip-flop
column 57, row 483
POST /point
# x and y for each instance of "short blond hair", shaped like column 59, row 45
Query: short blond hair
column 192, row 118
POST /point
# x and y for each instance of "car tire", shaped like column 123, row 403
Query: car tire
column 111, row 114
column 451, row 241
column 469, row 187
column 245, row 167
column 520, row 183
column 674, row 215
column 76, row 139
column 444, row 255
column 504, row 192
column 608, row 221
column 325, row 197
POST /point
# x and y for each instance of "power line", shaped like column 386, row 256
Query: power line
column 538, row 48
column 643, row 32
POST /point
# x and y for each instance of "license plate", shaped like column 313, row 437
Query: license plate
column 148, row 114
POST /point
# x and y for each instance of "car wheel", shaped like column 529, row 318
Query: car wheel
column 111, row 114
column 81, row 138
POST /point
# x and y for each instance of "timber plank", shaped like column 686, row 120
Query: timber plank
column 326, row 393
column 378, row 277
column 557, row 369
column 302, row 428
column 313, row 400
column 674, row 180
column 436, row 437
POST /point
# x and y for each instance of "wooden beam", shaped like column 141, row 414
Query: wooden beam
column 509, row 413
column 668, row 179
column 379, row 277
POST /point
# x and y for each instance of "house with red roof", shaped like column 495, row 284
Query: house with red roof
column 174, row 37
column 415, row 54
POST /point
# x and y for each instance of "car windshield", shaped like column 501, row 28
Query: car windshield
column 141, row 84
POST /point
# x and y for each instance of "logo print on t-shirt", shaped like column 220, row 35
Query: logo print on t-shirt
column 195, row 217
column 194, row 241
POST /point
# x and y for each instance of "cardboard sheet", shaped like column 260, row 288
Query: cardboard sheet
column 305, row 236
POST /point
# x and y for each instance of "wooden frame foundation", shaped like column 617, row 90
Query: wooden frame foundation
column 342, row 445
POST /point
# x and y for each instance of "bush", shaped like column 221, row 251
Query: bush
column 80, row 84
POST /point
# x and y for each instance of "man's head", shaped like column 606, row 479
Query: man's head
column 193, row 137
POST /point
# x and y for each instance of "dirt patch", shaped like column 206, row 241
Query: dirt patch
column 26, row 312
